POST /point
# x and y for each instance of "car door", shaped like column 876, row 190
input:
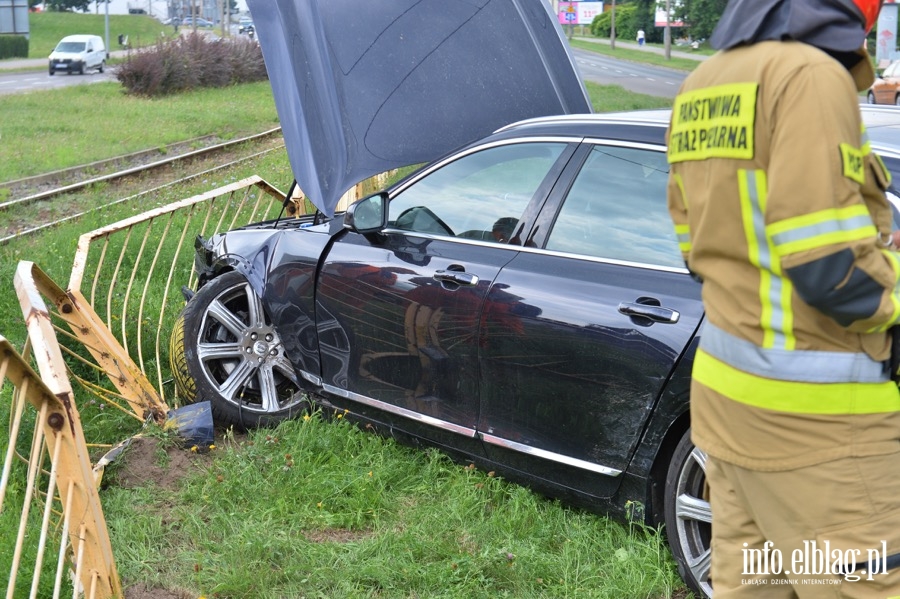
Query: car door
column 580, row 333
column 402, row 307
column 886, row 87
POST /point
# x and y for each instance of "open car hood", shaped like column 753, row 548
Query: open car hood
column 365, row 86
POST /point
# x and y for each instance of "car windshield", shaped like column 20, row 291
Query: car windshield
column 70, row 47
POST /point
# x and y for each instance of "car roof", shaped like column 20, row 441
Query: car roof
column 882, row 124
column 79, row 38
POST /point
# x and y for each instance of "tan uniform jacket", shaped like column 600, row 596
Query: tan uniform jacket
column 779, row 207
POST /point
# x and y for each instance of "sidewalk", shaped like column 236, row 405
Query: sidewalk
column 676, row 51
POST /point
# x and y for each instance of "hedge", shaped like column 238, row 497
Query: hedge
column 13, row 46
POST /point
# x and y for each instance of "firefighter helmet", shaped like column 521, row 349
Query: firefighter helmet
column 869, row 10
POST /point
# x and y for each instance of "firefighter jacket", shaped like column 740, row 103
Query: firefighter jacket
column 779, row 208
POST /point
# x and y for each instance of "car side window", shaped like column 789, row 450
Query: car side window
column 616, row 209
column 479, row 196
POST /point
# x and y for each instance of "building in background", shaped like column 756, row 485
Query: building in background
column 211, row 10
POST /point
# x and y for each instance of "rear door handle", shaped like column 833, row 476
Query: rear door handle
column 454, row 276
column 654, row 313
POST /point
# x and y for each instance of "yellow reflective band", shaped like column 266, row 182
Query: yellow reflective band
column 680, row 183
column 894, row 261
column 822, row 228
column 714, row 122
column 815, row 218
column 852, row 159
column 683, row 234
column 884, row 169
column 795, row 397
column 831, row 238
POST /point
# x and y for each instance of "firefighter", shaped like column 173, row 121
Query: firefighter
column 779, row 208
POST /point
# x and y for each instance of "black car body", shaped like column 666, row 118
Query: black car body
column 525, row 308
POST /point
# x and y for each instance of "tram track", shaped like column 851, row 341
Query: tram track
column 52, row 206
column 145, row 164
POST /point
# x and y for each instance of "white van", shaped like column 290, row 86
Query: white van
column 78, row 53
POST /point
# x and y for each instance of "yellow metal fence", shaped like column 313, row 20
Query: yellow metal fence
column 108, row 332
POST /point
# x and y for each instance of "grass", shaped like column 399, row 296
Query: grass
column 622, row 53
column 47, row 28
column 99, row 121
column 316, row 507
column 319, row 508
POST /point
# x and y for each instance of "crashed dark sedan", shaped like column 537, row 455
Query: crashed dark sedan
column 519, row 302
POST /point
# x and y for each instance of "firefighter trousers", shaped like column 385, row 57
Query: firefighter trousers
column 829, row 530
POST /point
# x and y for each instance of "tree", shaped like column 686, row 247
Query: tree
column 701, row 16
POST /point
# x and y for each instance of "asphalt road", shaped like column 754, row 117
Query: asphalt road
column 636, row 77
column 633, row 76
column 17, row 82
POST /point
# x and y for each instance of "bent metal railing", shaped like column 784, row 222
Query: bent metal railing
column 58, row 479
column 131, row 267
column 130, row 272
column 117, row 328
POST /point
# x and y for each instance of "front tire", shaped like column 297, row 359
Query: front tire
column 688, row 515
column 235, row 357
column 102, row 66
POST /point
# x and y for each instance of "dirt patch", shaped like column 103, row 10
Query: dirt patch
column 145, row 461
column 335, row 535
column 139, row 591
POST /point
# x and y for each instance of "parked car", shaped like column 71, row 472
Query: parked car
column 520, row 303
column 245, row 25
column 78, row 53
column 886, row 89
column 196, row 21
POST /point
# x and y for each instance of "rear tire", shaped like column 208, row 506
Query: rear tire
column 234, row 357
column 897, row 100
column 870, row 98
column 688, row 515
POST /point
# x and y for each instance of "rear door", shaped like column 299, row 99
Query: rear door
column 580, row 334
column 402, row 307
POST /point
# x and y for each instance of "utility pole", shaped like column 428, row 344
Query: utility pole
column 667, row 34
column 612, row 27
column 106, row 27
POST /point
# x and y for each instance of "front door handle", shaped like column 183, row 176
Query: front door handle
column 654, row 313
column 455, row 276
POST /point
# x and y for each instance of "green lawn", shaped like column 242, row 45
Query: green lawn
column 47, row 28
column 315, row 507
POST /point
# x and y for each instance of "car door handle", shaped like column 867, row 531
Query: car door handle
column 454, row 276
column 654, row 313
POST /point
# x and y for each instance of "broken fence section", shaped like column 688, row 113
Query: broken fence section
column 61, row 523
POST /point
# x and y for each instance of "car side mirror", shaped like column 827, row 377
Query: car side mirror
column 368, row 215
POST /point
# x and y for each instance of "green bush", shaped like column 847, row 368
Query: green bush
column 190, row 62
column 626, row 27
column 629, row 19
column 13, row 46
